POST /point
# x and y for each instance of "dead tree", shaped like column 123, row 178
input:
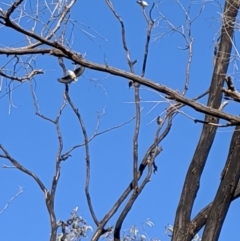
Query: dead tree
column 50, row 42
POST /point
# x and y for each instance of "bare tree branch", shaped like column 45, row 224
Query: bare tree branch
column 150, row 26
column 50, row 200
column 84, row 131
column 200, row 219
column 100, row 230
column 136, row 94
column 22, row 79
column 53, row 38
column 20, row 190
column 13, row 7
column 225, row 191
column 182, row 219
column 147, row 82
column 96, row 133
column 23, row 169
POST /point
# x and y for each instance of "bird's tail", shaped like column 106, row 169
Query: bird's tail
column 75, row 81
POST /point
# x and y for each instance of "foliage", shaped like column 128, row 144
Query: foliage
column 74, row 228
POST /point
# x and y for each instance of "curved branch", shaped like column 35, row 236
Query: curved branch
column 67, row 154
column 23, row 169
column 84, row 131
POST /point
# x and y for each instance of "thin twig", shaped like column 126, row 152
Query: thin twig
column 20, row 190
column 95, row 134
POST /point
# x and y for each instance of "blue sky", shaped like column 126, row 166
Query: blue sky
column 33, row 141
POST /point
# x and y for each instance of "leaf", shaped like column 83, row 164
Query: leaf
column 150, row 223
column 89, row 227
column 133, row 230
column 143, row 237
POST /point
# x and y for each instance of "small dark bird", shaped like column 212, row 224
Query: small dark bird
column 159, row 120
column 130, row 84
column 229, row 82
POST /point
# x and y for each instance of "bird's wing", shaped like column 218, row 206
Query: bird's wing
column 79, row 71
column 65, row 79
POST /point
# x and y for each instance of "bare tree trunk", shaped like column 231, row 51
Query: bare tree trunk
column 225, row 192
column 182, row 230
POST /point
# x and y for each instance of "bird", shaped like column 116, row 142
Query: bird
column 142, row 3
column 130, row 83
column 159, row 120
column 72, row 76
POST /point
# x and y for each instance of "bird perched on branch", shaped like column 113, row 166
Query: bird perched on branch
column 72, row 76
column 142, row 3
column 159, row 120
